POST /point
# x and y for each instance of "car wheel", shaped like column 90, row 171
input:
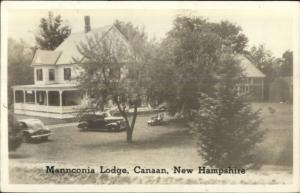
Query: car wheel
column 83, row 128
column 26, row 138
column 114, row 128
column 45, row 138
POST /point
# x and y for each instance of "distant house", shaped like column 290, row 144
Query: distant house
column 253, row 83
column 54, row 92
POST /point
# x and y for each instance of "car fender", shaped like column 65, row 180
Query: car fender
column 112, row 124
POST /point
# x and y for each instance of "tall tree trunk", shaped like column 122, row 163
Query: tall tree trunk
column 129, row 132
column 134, row 116
column 129, row 128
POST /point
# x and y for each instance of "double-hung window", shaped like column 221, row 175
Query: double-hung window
column 67, row 73
column 51, row 74
column 39, row 74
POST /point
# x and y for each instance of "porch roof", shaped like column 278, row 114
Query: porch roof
column 46, row 87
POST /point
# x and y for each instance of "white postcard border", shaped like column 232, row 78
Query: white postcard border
column 5, row 186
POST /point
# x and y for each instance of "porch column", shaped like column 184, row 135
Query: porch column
column 60, row 97
column 60, row 101
column 24, row 96
column 14, row 95
column 47, row 98
column 35, row 97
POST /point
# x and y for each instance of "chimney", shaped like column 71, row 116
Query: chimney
column 87, row 24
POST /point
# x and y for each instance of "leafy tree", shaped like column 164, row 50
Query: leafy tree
column 188, row 62
column 232, row 36
column 111, row 72
column 136, row 36
column 197, row 75
column 261, row 57
column 144, row 49
column 15, row 134
column 227, row 128
column 52, row 32
column 286, row 69
column 161, row 85
column 19, row 71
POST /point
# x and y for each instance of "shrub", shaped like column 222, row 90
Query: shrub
column 15, row 136
column 14, row 142
column 227, row 128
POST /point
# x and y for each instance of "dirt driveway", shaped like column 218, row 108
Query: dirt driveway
column 152, row 145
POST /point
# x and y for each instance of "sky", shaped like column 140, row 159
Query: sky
column 272, row 28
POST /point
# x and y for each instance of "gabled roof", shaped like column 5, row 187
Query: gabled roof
column 67, row 50
column 69, row 46
column 250, row 70
column 45, row 57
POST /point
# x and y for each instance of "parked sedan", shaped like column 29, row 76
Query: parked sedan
column 103, row 121
column 33, row 129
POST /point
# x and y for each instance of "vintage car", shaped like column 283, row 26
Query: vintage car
column 33, row 129
column 101, row 121
column 156, row 120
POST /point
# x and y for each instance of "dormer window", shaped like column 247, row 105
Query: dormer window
column 39, row 74
column 51, row 74
column 67, row 73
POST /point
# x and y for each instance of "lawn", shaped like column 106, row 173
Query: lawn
column 277, row 147
column 160, row 146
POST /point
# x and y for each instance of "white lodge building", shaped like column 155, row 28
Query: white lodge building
column 54, row 92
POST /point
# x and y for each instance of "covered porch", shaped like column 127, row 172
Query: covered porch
column 56, row 100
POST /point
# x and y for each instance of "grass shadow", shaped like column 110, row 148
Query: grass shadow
column 13, row 155
column 40, row 141
column 281, row 153
column 175, row 138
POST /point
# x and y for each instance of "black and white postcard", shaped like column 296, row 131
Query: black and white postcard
column 150, row 96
